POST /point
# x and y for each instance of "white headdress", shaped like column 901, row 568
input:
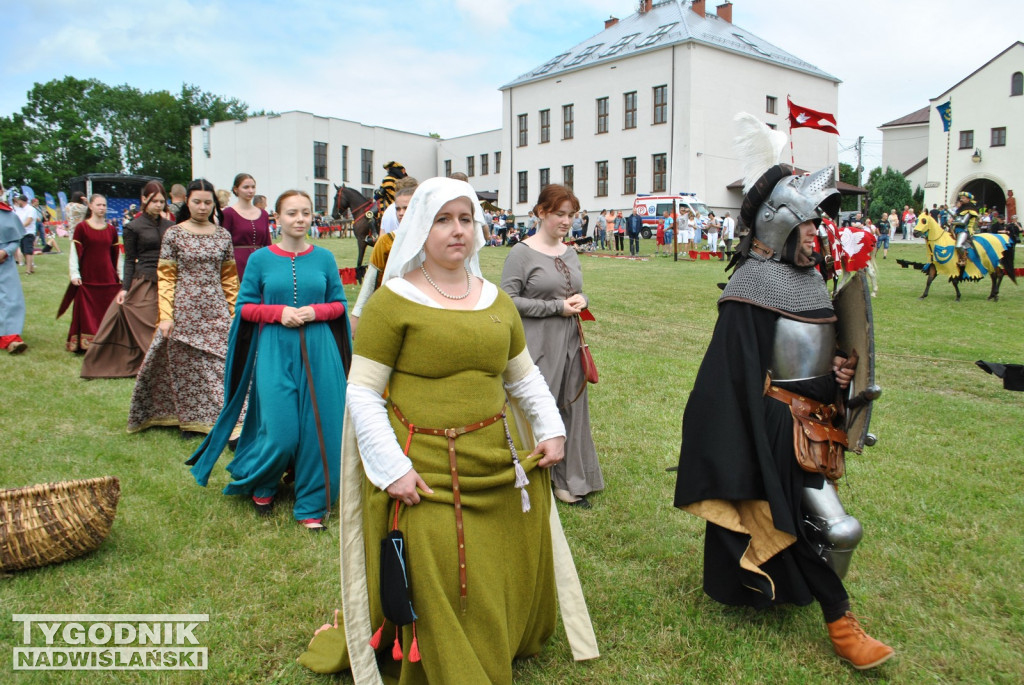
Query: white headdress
column 758, row 147
column 426, row 202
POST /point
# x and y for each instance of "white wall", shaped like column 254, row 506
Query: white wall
column 277, row 151
column 476, row 145
column 903, row 146
column 981, row 103
column 706, row 89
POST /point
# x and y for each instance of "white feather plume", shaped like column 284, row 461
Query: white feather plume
column 758, row 147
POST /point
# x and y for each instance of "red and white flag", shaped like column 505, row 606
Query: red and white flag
column 803, row 117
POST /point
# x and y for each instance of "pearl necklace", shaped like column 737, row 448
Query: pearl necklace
column 469, row 284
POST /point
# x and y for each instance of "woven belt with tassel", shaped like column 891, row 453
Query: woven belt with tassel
column 452, row 434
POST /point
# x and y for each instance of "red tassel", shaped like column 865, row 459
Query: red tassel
column 396, row 651
column 414, row 650
column 375, row 640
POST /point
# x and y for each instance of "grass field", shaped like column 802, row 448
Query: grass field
column 941, row 498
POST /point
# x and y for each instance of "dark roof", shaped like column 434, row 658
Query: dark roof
column 953, row 87
column 667, row 23
column 844, row 188
column 918, row 117
column 915, row 167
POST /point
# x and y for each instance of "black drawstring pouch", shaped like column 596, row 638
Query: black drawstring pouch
column 394, row 577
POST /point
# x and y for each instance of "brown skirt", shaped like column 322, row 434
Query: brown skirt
column 124, row 335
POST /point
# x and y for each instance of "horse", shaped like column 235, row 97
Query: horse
column 350, row 199
column 984, row 253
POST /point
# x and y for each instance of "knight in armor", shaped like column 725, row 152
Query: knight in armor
column 775, row 533
column 385, row 194
column 965, row 221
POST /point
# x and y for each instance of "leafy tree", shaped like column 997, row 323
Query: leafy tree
column 847, row 174
column 69, row 127
column 918, row 203
column 887, row 189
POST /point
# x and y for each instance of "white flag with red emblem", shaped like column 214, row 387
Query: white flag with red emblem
column 804, row 117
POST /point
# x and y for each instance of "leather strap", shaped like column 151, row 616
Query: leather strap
column 579, row 327
column 451, row 434
column 826, row 411
column 316, row 417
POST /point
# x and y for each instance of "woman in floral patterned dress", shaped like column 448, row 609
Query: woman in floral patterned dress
column 181, row 382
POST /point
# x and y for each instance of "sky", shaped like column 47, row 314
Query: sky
column 436, row 65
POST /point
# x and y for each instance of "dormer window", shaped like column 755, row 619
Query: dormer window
column 657, row 35
column 583, row 55
column 618, row 45
column 551, row 64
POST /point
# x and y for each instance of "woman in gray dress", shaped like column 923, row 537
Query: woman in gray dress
column 542, row 275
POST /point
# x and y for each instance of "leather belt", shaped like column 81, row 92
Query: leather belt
column 451, row 434
column 819, row 409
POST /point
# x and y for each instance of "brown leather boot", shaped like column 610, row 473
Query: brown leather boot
column 854, row 645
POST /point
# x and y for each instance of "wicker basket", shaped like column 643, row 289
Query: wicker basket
column 54, row 522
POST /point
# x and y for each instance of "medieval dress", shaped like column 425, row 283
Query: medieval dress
column 280, row 429
column 181, row 382
column 247, row 235
column 746, row 481
column 93, row 258
column 509, row 591
column 12, row 298
column 539, row 284
column 126, row 331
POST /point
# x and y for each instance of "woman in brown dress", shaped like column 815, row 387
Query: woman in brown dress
column 181, row 382
column 127, row 329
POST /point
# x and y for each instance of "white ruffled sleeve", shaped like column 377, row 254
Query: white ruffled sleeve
column 525, row 384
column 382, row 457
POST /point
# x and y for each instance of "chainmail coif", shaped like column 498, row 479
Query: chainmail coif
column 796, row 293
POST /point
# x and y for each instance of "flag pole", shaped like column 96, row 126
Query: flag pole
column 945, row 186
column 789, row 117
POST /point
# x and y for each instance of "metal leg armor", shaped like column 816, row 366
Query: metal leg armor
column 833, row 533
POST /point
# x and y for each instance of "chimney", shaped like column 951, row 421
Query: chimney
column 698, row 7
column 645, row 6
column 725, row 11
column 610, row 22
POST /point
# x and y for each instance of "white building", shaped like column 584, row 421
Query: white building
column 646, row 105
column 985, row 142
column 315, row 154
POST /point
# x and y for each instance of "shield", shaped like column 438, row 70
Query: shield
column 855, row 334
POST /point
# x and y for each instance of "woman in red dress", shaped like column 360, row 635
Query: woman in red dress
column 92, row 263
column 248, row 225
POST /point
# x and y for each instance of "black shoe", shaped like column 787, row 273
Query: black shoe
column 188, row 435
column 233, row 444
column 581, row 503
column 263, row 509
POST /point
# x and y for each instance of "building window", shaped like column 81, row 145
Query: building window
column 966, row 139
column 629, row 105
column 618, row 45
column 1017, row 84
column 524, row 191
column 602, row 115
column 658, row 177
column 344, row 163
column 523, row 131
column 567, row 121
column 567, row 176
column 551, row 64
column 629, row 176
column 771, row 105
column 656, row 35
column 484, row 159
column 471, row 165
column 447, row 168
column 602, row 179
column 545, row 125
column 998, row 137
column 319, row 160
column 367, row 193
column 497, row 162
column 660, row 104
column 545, row 178
column 366, row 166
column 319, row 197
column 587, row 52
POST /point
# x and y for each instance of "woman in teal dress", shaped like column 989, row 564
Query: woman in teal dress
column 290, row 298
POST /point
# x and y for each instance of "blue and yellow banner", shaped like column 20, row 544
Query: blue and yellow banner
column 946, row 112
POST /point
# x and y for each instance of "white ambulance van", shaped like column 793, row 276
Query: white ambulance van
column 651, row 208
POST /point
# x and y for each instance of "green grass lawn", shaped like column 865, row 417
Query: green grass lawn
column 941, row 498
